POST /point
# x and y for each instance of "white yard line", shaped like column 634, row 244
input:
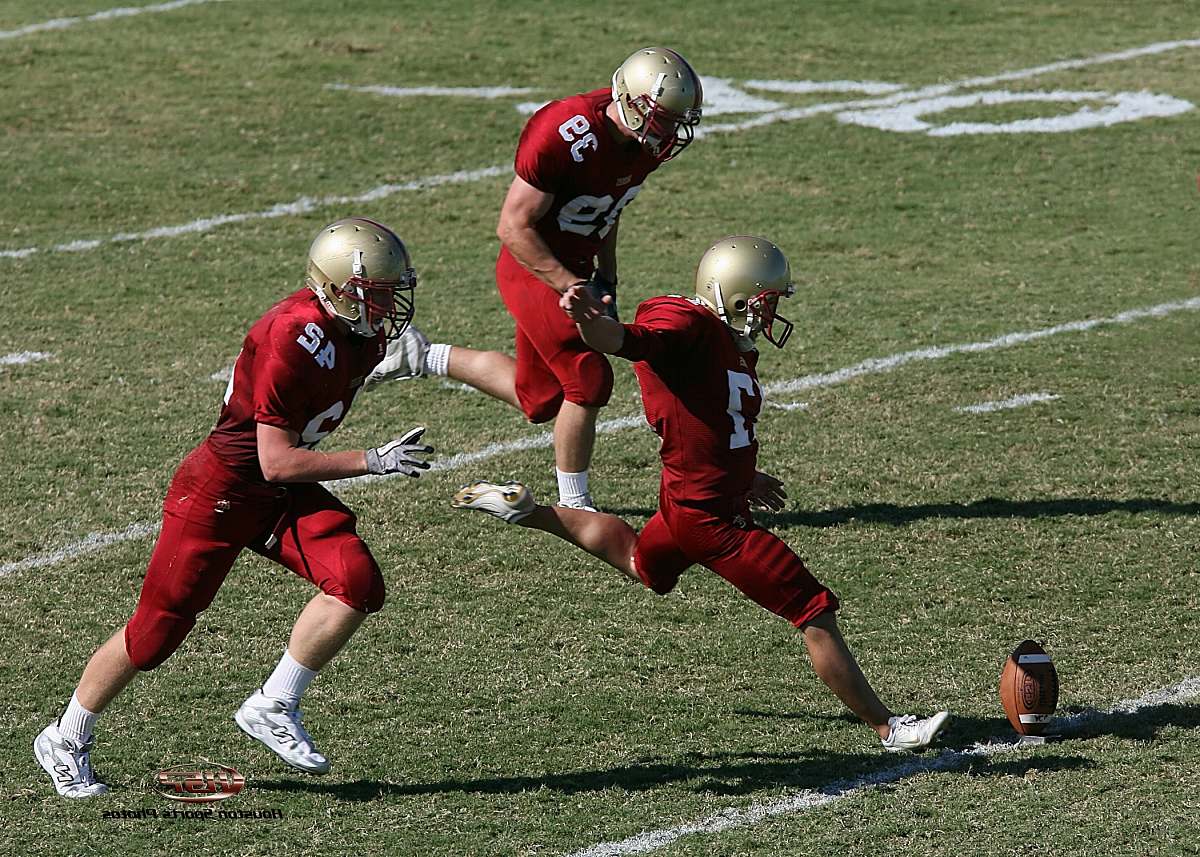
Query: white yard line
column 308, row 204
column 948, row 760
column 303, row 205
column 19, row 357
column 90, row 543
column 106, row 15
column 876, row 365
column 1007, row 404
column 96, row 541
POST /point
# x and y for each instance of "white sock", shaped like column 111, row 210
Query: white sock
column 289, row 681
column 573, row 488
column 76, row 722
column 437, row 359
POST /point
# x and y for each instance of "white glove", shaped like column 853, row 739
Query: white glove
column 405, row 358
column 400, row 456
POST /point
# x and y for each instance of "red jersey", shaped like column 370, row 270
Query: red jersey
column 298, row 369
column 701, row 396
column 567, row 150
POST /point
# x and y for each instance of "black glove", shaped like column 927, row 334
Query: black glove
column 599, row 286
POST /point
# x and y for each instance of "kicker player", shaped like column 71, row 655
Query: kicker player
column 579, row 162
column 695, row 359
column 253, row 483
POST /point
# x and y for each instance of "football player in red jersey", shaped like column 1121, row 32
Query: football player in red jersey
column 253, row 483
column 579, row 162
column 695, row 359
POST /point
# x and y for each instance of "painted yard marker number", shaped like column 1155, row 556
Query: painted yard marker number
column 895, row 107
column 1115, row 107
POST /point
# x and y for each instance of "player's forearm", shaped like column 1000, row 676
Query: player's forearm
column 298, row 464
column 532, row 252
column 604, row 334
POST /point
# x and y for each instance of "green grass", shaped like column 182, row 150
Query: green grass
column 515, row 697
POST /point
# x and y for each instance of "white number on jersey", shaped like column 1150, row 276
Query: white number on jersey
column 740, row 382
column 587, row 214
column 312, row 432
column 581, row 214
column 615, row 211
column 310, row 341
column 577, row 132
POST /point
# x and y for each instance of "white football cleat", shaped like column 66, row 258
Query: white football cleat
column 68, row 763
column 280, row 728
column 912, row 733
column 508, row 501
column 405, row 358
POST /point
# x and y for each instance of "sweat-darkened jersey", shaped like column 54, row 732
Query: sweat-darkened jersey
column 701, row 396
column 567, row 150
column 298, row 369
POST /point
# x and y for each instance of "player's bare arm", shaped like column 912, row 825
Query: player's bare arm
column 596, row 328
column 523, row 207
column 283, row 459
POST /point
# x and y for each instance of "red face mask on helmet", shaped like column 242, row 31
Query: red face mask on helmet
column 664, row 133
column 764, row 310
column 388, row 304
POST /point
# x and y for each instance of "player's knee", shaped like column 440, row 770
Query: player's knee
column 593, row 383
column 661, row 587
column 540, row 409
column 656, row 580
column 818, row 611
column 151, row 639
column 539, row 401
column 361, row 582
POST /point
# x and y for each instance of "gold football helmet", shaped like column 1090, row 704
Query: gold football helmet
column 658, row 97
column 362, row 274
column 741, row 279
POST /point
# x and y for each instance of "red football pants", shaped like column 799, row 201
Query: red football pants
column 553, row 363
column 209, row 516
column 753, row 559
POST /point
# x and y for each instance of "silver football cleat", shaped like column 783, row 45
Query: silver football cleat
column 68, row 763
column 280, row 728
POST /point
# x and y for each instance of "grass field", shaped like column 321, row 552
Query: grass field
column 162, row 176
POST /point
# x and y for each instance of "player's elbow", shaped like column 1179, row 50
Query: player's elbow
column 275, row 467
column 506, row 229
column 514, row 226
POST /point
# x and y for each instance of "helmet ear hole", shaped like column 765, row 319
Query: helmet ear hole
column 739, row 305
